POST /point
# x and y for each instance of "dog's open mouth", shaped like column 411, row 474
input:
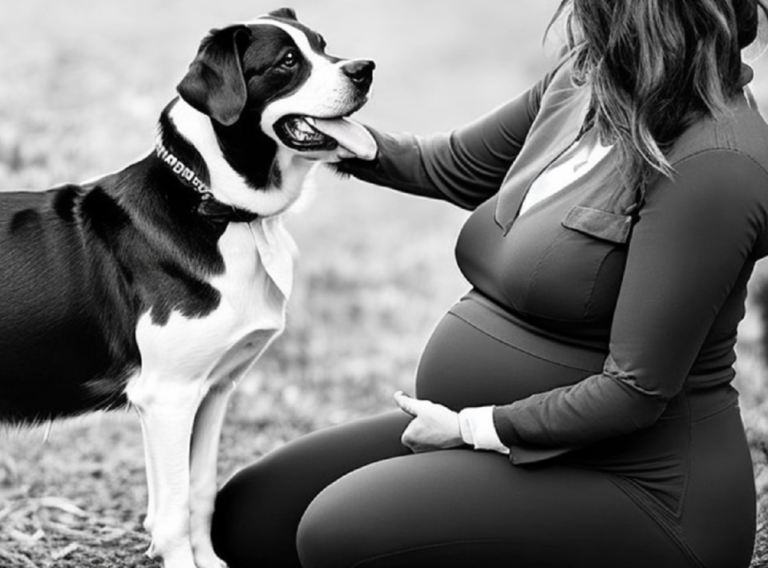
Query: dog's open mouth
column 306, row 134
column 298, row 133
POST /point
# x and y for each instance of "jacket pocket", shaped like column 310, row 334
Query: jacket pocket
column 600, row 224
column 579, row 270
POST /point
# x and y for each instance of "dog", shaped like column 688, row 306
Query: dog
column 158, row 286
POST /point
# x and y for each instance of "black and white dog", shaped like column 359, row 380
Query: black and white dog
column 160, row 285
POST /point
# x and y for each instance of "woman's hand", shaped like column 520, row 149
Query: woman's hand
column 434, row 427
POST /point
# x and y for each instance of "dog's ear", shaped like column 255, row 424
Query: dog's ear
column 214, row 83
column 285, row 13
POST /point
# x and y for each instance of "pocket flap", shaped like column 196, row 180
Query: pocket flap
column 601, row 224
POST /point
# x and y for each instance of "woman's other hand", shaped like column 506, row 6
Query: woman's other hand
column 434, row 427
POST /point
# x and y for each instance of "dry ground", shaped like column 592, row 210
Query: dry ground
column 81, row 84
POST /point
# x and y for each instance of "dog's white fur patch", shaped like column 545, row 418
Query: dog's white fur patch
column 189, row 368
column 226, row 184
column 327, row 93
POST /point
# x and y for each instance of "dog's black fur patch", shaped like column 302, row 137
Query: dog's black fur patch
column 78, row 271
column 266, row 80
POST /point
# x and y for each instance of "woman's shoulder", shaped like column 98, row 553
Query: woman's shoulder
column 720, row 172
column 741, row 131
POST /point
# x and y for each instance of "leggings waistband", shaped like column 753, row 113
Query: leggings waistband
column 700, row 404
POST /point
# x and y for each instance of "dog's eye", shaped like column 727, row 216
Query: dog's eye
column 290, row 59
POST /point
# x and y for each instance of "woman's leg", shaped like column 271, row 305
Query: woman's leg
column 466, row 508
column 258, row 510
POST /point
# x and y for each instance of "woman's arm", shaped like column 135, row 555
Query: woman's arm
column 694, row 238
column 465, row 166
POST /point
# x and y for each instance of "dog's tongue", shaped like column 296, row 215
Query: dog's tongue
column 350, row 135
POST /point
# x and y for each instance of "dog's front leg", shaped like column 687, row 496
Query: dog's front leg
column 167, row 411
column 205, row 449
column 205, row 438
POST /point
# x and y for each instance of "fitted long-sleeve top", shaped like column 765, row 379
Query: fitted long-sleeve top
column 657, row 282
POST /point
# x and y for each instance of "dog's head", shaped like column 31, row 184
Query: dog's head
column 272, row 74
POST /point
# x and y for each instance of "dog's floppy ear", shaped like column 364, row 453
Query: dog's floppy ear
column 285, row 13
column 214, row 83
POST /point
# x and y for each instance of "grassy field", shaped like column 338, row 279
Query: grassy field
column 81, row 85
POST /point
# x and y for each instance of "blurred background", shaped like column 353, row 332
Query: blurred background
column 82, row 83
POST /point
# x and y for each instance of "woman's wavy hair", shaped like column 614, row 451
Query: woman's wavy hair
column 653, row 66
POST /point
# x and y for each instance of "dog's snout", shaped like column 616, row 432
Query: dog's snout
column 360, row 72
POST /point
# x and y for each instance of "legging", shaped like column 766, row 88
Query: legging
column 679, row 494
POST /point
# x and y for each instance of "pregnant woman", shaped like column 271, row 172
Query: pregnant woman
column 574, row 409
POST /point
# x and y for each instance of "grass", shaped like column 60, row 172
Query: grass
column 81, row 84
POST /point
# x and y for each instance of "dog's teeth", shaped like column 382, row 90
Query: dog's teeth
column 302, row 130
column 305, row 128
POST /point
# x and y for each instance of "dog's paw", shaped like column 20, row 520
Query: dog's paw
column 179, row 556
column 208, row 559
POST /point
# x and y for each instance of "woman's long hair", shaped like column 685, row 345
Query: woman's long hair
column 653, row 66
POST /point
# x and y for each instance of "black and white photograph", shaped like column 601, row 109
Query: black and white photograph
column 384, row 284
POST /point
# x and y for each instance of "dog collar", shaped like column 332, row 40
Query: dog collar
column 186, row 173
column 208, row 206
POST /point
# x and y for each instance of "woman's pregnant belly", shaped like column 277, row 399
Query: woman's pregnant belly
column 480, row 355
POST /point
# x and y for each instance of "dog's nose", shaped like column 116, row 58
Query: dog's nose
column 360, row 72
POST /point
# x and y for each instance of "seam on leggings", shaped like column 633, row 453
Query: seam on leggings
column 515, row 347
column 651, row 500
column 361, row 563
column 716, row 413
column 678, row 512
column 658, row 518
column 646, row 496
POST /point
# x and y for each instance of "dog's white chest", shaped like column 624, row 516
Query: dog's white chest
column 254, row 288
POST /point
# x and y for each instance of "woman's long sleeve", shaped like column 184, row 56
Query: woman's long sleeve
column 465, row 166
column 689, row 248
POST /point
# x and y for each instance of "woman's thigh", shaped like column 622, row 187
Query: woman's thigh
column 465, row 508
column 258, row 510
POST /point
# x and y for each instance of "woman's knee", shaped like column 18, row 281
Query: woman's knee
column 349, row 521
column 325, row 534
column 254, row 515
column 258, row 510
